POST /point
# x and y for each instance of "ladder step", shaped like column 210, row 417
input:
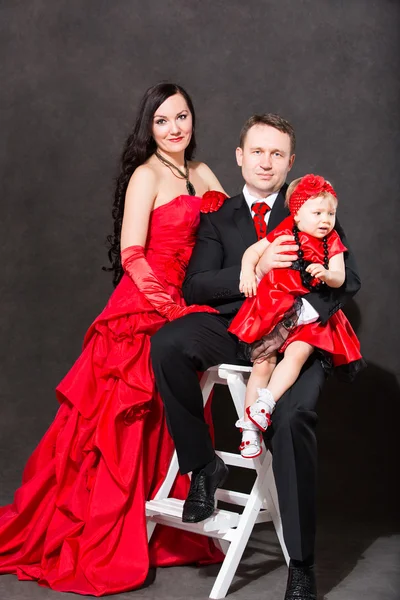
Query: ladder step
column 236, row 460
column 232, row 368
column 237, row 498
column 264, row 516
column 166, row 506
column 169, row 512
column 232, row 497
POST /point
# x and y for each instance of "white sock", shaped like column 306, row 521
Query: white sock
column 266, row 397
column 249, row 425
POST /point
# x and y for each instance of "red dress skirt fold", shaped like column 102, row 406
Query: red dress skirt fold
column 77, row 522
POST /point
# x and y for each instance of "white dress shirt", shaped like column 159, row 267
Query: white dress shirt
column 250, row 200
column 308, row 314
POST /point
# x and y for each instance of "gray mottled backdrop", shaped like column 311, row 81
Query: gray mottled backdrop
column 72, row 75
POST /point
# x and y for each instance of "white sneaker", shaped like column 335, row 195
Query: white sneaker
column 250, row 446
column 260, row 412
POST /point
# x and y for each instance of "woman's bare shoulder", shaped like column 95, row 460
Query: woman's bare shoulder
column 200, row 167
column 208, row 176
column 143, row 183
column 146, row 173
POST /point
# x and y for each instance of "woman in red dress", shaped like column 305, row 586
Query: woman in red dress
column 312, row 203
column 78, row 523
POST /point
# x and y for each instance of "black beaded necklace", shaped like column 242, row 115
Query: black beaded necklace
column 183, row 175
column 306, row 278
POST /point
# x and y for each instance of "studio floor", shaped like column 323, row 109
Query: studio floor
column 358, row 531
column 353, row 564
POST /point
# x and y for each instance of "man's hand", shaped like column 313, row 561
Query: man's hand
column 261, row 349
column 278, row 255
column 248, row 284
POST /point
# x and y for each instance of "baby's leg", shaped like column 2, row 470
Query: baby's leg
column 250, row 446
column 288, row 370
column 259, row 378
column 282, row 378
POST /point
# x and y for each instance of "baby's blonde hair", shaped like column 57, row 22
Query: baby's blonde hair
column 292, row 186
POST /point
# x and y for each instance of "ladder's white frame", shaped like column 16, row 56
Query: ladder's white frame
column 230, row 530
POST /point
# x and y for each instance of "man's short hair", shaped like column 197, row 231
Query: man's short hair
column 272, row 120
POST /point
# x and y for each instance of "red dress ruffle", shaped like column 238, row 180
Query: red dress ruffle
column 78, row 523
column 275, row 296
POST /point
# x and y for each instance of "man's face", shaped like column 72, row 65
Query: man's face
column 265, row 160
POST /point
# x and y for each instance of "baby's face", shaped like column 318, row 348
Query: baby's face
column 317, row 216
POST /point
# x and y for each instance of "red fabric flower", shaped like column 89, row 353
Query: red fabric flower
column 212, row 201
column 310, row 186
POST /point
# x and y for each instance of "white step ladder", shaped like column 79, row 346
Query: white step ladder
column 230, row 530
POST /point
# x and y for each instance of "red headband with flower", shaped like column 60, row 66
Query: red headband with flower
column 310, row 186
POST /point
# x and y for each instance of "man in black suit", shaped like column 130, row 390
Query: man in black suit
column 186, row 346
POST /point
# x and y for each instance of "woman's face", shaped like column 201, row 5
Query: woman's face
column 172, row 125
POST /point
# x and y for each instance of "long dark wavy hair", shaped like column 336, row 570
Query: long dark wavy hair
column 139, row 146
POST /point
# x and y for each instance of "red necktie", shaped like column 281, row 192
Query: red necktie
column 260, row 209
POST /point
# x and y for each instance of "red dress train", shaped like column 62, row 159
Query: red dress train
column 77, row 523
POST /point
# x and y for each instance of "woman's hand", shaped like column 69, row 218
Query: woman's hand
column 176, row 312
column 212, row 201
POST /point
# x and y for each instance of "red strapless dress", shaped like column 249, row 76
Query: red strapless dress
column 258, row 316
column 78, row 522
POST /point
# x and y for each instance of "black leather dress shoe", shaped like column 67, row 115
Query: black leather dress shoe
column 200, row 502
column 301, row 584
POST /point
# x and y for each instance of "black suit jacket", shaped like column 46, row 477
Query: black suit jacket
column 212, row 276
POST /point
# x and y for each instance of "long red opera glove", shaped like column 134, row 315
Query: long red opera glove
column 212, row 201
column 136, row 266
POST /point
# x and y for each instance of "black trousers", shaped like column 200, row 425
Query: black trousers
column 198, row 341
